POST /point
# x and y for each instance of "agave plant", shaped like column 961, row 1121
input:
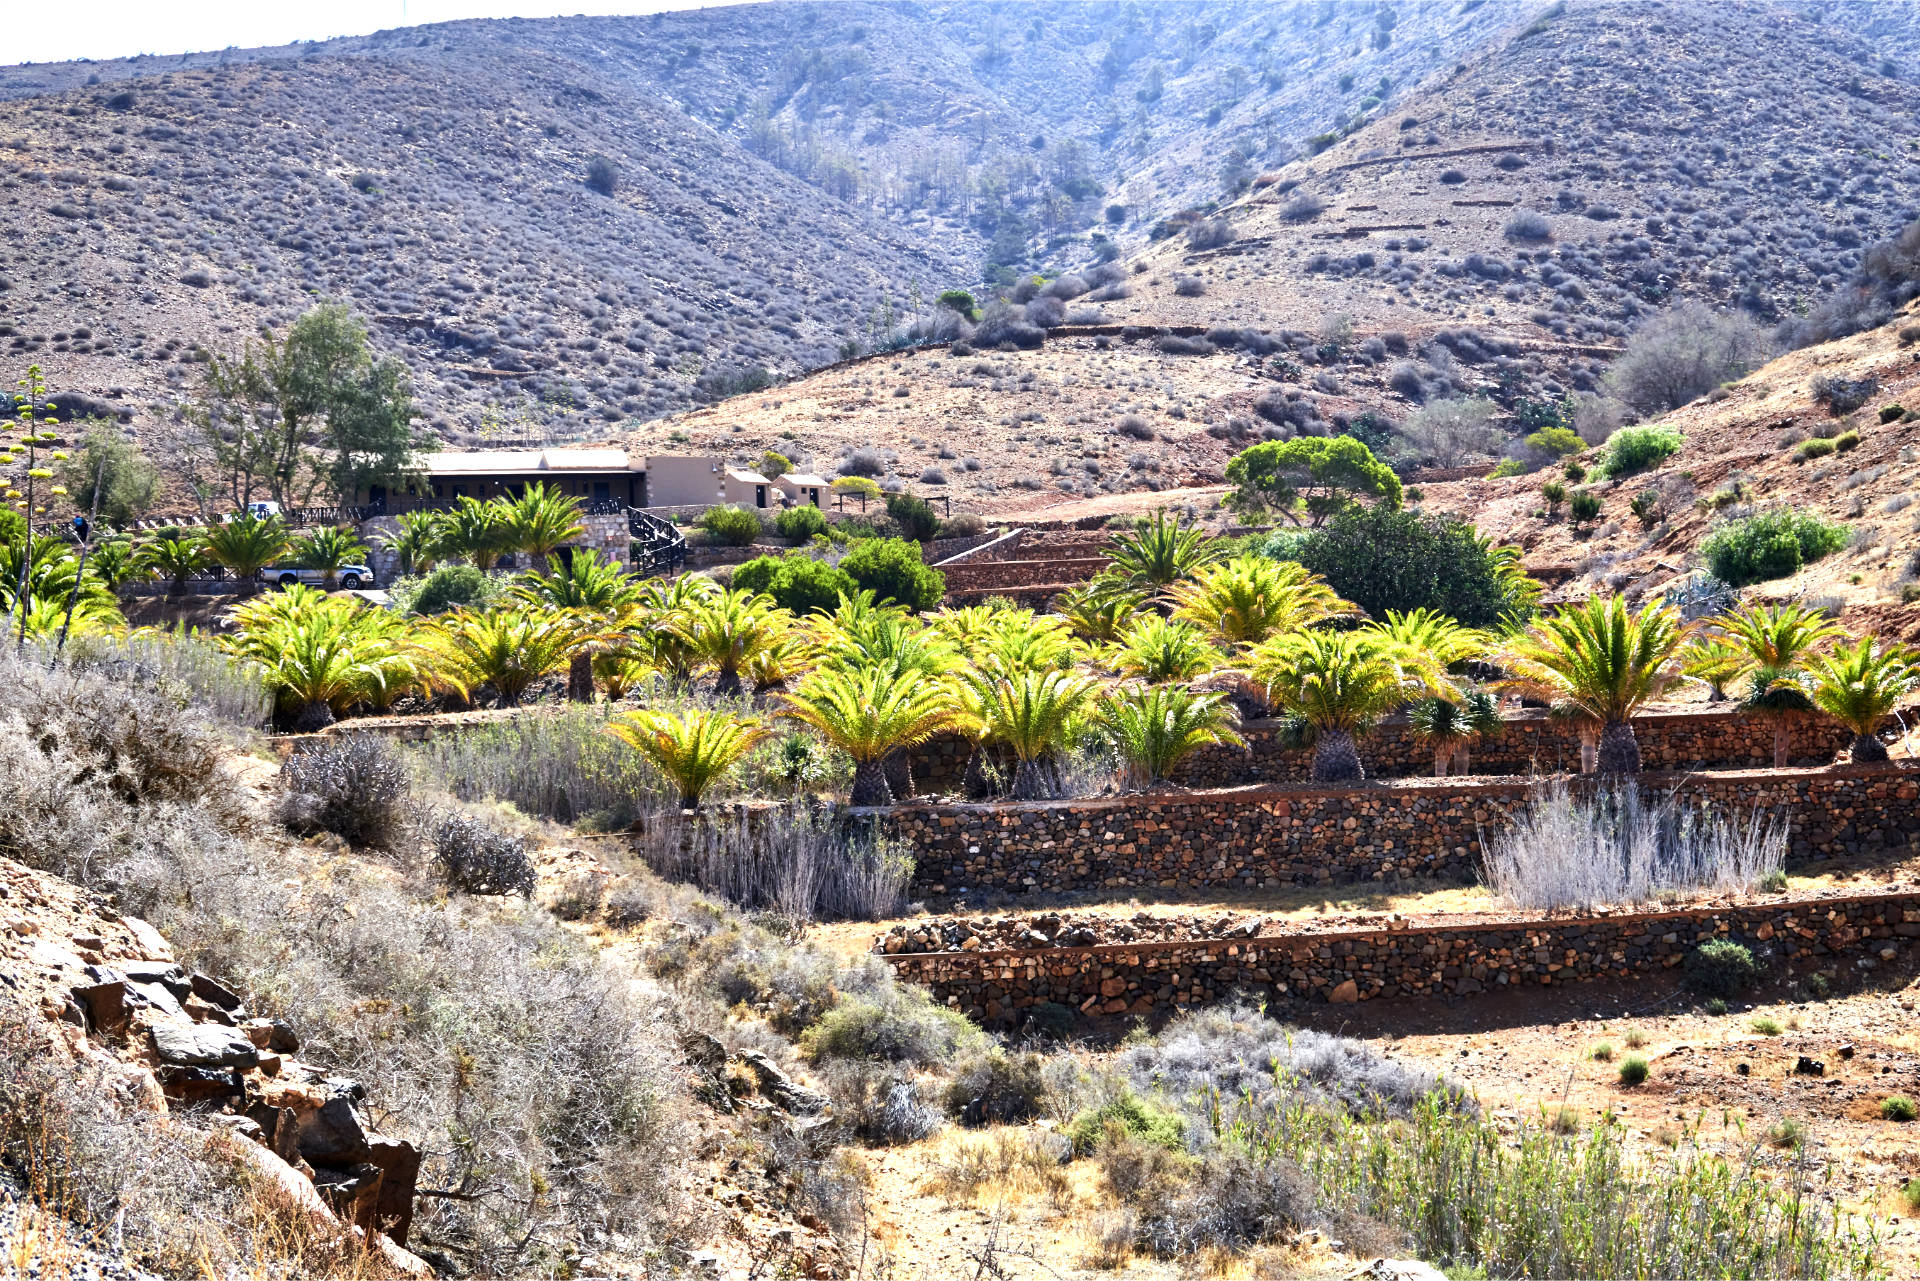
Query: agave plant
column 693, row 749
column 1159, row 551
column 1248, row 599
column 728, row 630
column 327, row 550
column 1605, row 662
column 1859, row 685
column 1777, row 641
column 508, row 649
column 870, row 713
column 476, row 530
column 1155, row 727
column 1102, row 610
column 1158, row 650
column 1339, row 684
column 540, row 520
column 1030, row 713
column 1453, row 725
column 245, row 545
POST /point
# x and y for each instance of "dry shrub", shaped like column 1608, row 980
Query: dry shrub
column 1004, row 1163
column 354, row 786
column 881, row 1105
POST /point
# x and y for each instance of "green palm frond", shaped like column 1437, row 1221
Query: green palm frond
column 1159, row 551
column 1159, row 650
column 693, row 749
column 1154, row 727
column 1599, row 656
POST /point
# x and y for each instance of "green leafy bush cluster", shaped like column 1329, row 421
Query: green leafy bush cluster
column 1634, row 449
column 733, row 526
column 451, row 587
column 893, row 570
column 798, row 524
column 1138, row 1117
column 1721, row 968
column 796, row 581
column 1384, row 558
column 1769, row 545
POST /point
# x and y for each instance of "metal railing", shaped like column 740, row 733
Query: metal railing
column 659, row 548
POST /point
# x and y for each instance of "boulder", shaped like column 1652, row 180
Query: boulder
column 272, row 1034
column 214, row 992
column 352, row 1192
column 781, row 1088
column 1347, row 993
column 203, row 1045
column 105, row 1004
column 151, row 942
column 333, row 1134
column 399, row 1163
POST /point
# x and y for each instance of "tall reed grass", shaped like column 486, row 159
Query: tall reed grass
column 182, row 665
column 798, row 860
column 1621, row 846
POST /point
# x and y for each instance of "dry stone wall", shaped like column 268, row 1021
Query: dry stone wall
column 1447, row 960
column 1303, row 835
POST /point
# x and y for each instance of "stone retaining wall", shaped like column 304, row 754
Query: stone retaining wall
column 1155, row 978
column 1271, row 836
column 1528, row 743
column 991, row 575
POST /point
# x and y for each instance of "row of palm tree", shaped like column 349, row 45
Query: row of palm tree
column 536, row 522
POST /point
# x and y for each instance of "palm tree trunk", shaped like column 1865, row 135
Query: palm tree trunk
column 1782, row 736
column 1868, row 748
column 1619, row 750
column 1441, row 755
column 313, row 718
column 1030, row 781
column 1462, row 758
column 870, row 784
column 727, row 683
column 1589, row 751
column 899, row 768
column 580, row 678
column 1336, row 759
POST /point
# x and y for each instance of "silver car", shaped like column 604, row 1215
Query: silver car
column 347, row 577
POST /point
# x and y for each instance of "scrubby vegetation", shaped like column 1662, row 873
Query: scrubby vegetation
column 1768, row 545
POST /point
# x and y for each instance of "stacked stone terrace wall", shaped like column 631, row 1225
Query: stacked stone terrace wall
column 1528, row 743
column 1306, row 835
column 1444, row 960
column 973, row 577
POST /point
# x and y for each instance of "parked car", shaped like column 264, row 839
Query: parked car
column 348, row 577
column 263, row 510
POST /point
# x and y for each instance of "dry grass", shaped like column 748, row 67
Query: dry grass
column 1005, row 1165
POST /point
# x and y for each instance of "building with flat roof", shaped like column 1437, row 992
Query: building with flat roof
column 596, row 474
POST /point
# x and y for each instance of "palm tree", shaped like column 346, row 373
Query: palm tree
column 1606, row 663
column 174, row 559
column 693, row 748
column 476, row 530
column 1427, row 635
column 1859, row 685
column 617, row 672
column 115, row 564
column 1777, row 641
column 1338, row 684
column 1453, row 725
column 508, row 649
column 417, row 542
column 1248, row 599
column 1715, row 663
column 246, row 544
column 1029, row 712
column 583, row 581
column 320, row 655
column 1155, row 727
column 869, row 713
column 327, row 550
column 726, row 631
column 1158, row 551
column 541, row 520
column 651, row 631
column 1019, row 640
column 1157, row 650
column 1101, row 610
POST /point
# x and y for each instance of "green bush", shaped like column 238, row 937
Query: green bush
column 1550, row 443
column 450, row 587
column 897, row 1024
column 796, row 581
column 798, row 524
column 1634, row 449
column 1139, row 1118
column 1721, row 968
column 1647, row 507
column 1769, row 545
column 1813, row 449
column 1897, row 1107
column 1573, row 471
column 1891, row 413
column 734, row 526
column 914, row 515
column 1846, row 441
column 1385, row 558
column 1584, row 506
column 892, row 569
column 1508, row 467
column 1633, row 1069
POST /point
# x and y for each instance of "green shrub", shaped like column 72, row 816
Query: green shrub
column 1554, row 492
column 1583, row 506
column 733, row 526
column 1633, row 1069
column 1385, row 558
column 1634, row 449
column 1846, row 441
column 450, row 587
column 1550, row 443
column 1810, row 449
column 898, row 1024
column 1891, row 413
column 1573, row 471
column 1769, row 545
column 1765, row 1025
column 893, row 570
column 796, row 581
column 1647, row 507
column 914, row 515
column 798, row 524
column 1133, row 1114
column 1508, row 467
column 1721, row 968
column 1602, row 1053
column 1897, row 1107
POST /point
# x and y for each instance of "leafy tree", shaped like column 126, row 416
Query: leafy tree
column 1382, row 558
column 1326, row 474
column 1155, row 727
column 245, row 544
column 1450, row 431
column 1684, row 353
column 798, row 524
column 693, row 749
column 314, row 408
column 893, row 570
column 451, row 587
column 1605, row 662
column 327, row 550
column 774, row 465
column 914, row 515
column 1339, row 684
column 796, row 582
column 1159, row 551
column 1859, row 685
column 731, row 525
column 1634, row 449
column 127, row 481
column 1772, row 544
column 870, row 713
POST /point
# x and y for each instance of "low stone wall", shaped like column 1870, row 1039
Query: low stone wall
column 1303, row 835
column 990, row 575
column 1451, row 960
column 1528, row 743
